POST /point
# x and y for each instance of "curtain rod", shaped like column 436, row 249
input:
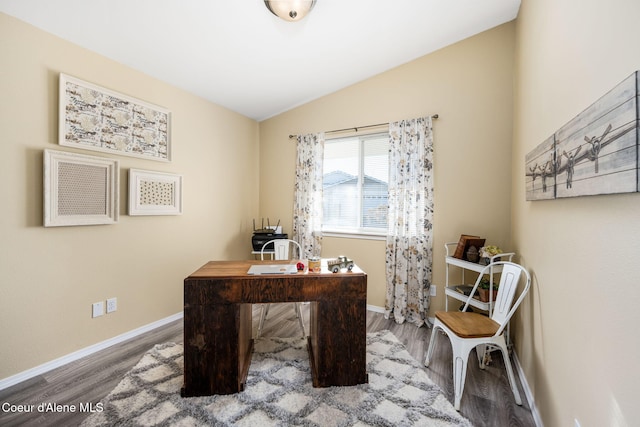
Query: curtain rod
column 433, row 116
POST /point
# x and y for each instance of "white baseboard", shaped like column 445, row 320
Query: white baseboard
column 46, row 367
column 527, row 391
column 375, row 308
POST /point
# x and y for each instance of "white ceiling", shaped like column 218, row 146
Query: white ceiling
column 235, row 53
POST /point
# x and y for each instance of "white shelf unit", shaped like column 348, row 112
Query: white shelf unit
column 450, row 289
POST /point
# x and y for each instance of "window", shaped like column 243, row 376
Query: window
column 355, row 184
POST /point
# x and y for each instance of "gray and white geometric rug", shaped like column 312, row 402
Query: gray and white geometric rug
column 279, row 392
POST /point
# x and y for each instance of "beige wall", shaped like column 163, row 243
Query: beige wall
column 469, row 85
column 49, row 277
column 577, row 337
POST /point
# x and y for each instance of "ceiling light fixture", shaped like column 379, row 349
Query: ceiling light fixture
column 290, row 10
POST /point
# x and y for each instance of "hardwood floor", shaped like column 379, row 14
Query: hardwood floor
column 487, row 399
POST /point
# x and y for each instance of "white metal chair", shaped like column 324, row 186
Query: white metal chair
column 281, row 250
column 467, row 330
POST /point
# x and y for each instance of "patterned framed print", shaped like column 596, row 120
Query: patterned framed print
column 95, row 118
column 154, row 193
column 79, row 189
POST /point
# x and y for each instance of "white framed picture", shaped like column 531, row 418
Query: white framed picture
column 94, row 118
column 154, row 193
column 79, row 189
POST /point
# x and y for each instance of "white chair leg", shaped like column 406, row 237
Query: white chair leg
column 263, row 315
column 482, row 352
column 300, row 318
column 460, row 359
column 432, row 344
column 512, row 378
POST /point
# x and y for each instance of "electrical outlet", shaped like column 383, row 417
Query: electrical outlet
column 432, row 290
column 112, row 305
column 97, row 309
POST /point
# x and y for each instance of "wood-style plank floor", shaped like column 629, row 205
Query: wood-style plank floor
column 487, row 399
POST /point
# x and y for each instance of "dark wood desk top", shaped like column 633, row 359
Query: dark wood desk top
column 222, row 269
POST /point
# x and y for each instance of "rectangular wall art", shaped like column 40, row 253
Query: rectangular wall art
column 154, row 193
column 95, row 118
column 595, row 153
column 79, row 189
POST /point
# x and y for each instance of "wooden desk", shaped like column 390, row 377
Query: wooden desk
column 218, row 315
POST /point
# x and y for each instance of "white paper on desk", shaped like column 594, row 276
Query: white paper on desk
column 273, row 269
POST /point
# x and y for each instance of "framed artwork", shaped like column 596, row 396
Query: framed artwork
column 154, row 193
column 464, row 243
column 594, row 153
column 94, row 118
column 79, row 189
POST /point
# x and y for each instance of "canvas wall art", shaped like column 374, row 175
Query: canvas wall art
column 540, row 165
column 595, row 153
column 94, row 118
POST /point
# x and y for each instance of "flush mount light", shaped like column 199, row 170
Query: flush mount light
column 290, row 10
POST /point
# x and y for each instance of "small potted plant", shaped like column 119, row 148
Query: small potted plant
column 486, row 252
column 483, row 290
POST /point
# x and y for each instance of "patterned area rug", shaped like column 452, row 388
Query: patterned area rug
column 279, row 392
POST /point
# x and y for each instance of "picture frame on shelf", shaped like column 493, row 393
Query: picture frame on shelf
column 464, row 243
column 154, row 193
column 95, row 118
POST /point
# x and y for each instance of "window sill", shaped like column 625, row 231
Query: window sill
column 353, row 234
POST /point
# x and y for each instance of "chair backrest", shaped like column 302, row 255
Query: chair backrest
column 281, row 249
column 504, row 307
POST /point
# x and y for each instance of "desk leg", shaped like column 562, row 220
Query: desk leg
column 217, row 348
column 337, row 342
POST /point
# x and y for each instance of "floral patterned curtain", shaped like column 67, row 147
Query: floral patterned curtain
column 307, row 205
column 409, row 253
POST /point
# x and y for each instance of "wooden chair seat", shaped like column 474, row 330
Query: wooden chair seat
column 468, row 325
